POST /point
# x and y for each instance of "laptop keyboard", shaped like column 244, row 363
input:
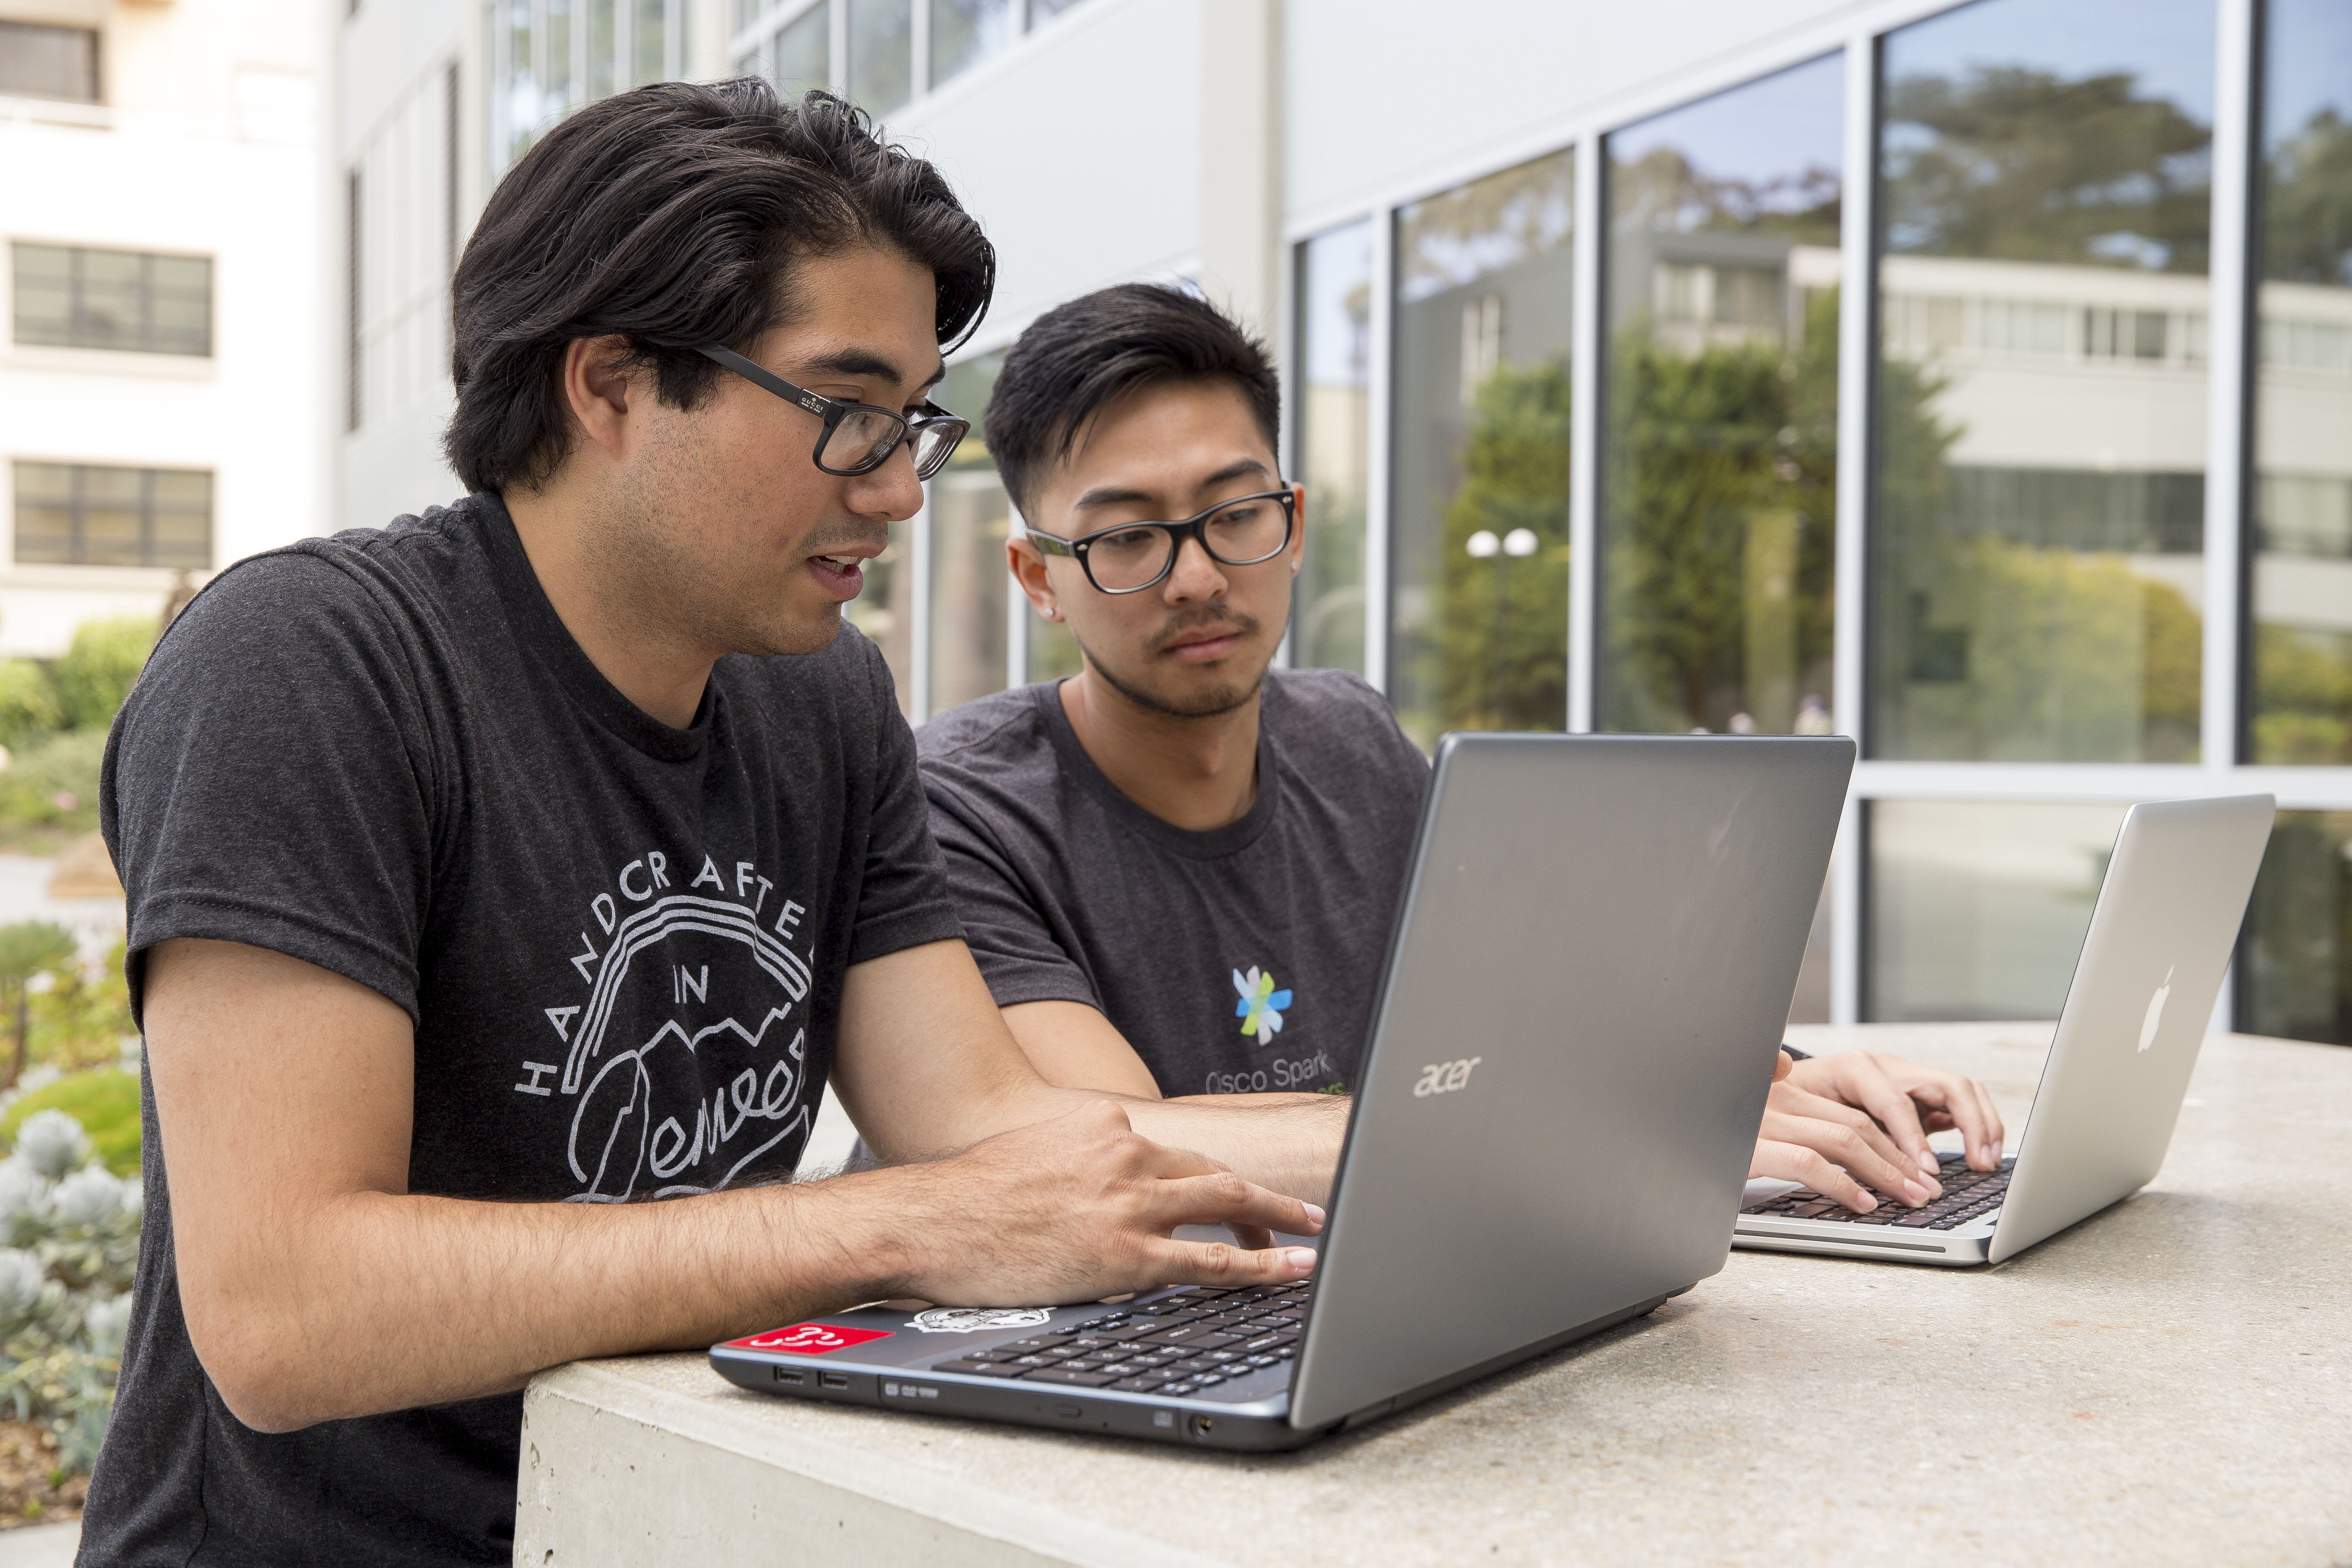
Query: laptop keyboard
column 1175, row 1346
column 1968, row 1194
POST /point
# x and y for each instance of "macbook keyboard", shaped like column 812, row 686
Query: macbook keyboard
column 1177, row 1345
column 1968, row 1194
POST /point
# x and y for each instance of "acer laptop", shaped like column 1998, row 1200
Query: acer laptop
column 1585, row 988
column 2111, row 1088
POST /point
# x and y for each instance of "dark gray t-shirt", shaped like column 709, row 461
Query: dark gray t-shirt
column 1237, row 961
column 622, row 946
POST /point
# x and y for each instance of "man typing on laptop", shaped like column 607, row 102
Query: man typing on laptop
column 497, row 870
column 1178, row 868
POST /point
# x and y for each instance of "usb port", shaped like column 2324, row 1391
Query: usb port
column 791, row 1375
column 834, row 1379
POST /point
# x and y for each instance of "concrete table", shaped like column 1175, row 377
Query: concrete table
column 2167, row 1383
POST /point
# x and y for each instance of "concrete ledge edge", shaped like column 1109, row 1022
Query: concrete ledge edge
column 927, row 1494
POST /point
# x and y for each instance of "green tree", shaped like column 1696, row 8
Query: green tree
column 29, row 704
column 2308, row 205
column 27, row 948
column 1502, row 646
column 2026, row 166
column 96, row 670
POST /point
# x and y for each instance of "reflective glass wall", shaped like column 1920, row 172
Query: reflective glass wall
column 1978, row 910
column 969, row 518
column 889, row 51
column 1479, row 474
column 2044, row 206
column 1718, row 493
column 1330, row 403
column 2302, row 600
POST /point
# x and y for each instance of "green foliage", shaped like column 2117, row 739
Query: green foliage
column 1721, row 518
column 28, row 703
column 52, row 787
column 2302, row 697
column 68, row 1249
column 83, row 1019
column 105, row 1101
column 98, row 670
column 26, row 948
column 1502, row 650
column 2308, row 205
column 2025, row 165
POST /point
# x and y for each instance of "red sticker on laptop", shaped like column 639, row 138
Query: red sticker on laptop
column 809, row 1339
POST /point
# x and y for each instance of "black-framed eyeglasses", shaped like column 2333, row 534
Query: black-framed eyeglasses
column 1133, row 556
column 857, row 437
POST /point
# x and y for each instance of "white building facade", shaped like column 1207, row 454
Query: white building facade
column 1974, row 380
column 160, row 378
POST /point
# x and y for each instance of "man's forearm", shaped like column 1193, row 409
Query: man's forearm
column 375, row 1301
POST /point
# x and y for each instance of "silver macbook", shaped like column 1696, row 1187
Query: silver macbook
column 2151, row 966
column 1585, row 987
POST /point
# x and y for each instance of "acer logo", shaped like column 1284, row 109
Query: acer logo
column 1445, row 1078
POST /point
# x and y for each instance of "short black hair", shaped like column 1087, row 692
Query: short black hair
column 1079, row 357
column 671, row 215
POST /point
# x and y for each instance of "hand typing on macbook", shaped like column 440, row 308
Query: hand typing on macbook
column 1855, row 1124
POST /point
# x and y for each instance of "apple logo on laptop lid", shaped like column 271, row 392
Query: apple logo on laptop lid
column 2154, row 1020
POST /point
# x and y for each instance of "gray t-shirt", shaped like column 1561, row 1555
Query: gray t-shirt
column 1237, row 961
column 622, row 944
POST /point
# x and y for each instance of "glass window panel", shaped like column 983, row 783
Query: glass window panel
column 68, row 514
column 562, row 91
column 604, row 48
column 1719, row 479
column 112, row 535
column 884, row 610
column 1479, row 632
column 965, row 32
column 2302, row 632
column 881, row 54
column 803, row 54
column 524, row 107
column 2294, row 977
column 37, row 61
column 2038, row 566
column 971, row 519
column 650, row 38
column 1333, row 407
column 1978, row 910
column 1040, row 10
column 43, row 277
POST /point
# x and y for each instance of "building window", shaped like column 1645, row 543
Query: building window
column 41, row 61
column 1478, row 500
column 971, row 519
column 966, row 32
column 881, row 54
column 403, row 244
column 2301, row 636
column 1331, row 401
column 889, row 51
column 76, row 298
column 2038, row 564
column 79, row 514
column 1719, row 458
column 549, row 57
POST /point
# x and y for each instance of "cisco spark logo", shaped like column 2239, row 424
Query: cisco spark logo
column 1445, row 1078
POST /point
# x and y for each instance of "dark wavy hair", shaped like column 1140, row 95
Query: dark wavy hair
column 672, row 216
column 1078, row 357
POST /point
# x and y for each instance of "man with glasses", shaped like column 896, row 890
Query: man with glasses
column 1178, row 868
column 497, row 874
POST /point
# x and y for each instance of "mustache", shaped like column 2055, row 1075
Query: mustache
column 1219, row 620
column 829, row 540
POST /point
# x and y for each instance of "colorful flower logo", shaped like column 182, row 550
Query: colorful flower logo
column 1260, row 1008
